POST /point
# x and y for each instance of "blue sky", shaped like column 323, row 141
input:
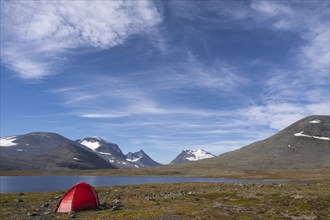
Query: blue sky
column 163, row 75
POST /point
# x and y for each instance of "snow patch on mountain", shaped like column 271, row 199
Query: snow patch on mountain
column 300, row 134
column 8, row 141
column 198, row 155
column 316, row 121
column 134, row 159
column 91, row 144
column 104, row 153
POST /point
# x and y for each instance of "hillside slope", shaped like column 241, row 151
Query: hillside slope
column 304, row 144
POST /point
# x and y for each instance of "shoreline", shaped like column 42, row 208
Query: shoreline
column 13, row 184
column 298, row 175
column 182, row 201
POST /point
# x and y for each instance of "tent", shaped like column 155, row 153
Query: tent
column 81, row 196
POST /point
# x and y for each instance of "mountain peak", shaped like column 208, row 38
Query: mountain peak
column 192, row 155
column 141, row 158
column 104, row 148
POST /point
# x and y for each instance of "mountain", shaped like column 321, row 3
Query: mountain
column 69, row 156
column 191, row 155
column 112, row 154
column 107, row 150
column 140, row 158
column 46, row 151
column 31, row 144
column 304, row 144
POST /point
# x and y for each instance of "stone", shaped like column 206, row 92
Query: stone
column 45, row 205
column 72, row 215
column 32, row 214
column 114, row 208
column 116, row 201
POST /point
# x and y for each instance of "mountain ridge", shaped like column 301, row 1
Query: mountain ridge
column 40, row 147
column 303, row 144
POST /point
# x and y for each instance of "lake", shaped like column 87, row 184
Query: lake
column 11, row 184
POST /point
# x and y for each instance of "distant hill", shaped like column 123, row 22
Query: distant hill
column 304, row 144
column 191, row 155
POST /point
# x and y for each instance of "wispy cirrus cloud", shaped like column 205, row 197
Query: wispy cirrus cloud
column 37, row 35
column 217, row 77
column 311, row 24
column 146, row 93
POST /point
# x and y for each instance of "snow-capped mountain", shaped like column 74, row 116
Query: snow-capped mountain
column 51, row 151
column 113, row 154
column 192, row 155
column 31, row 144
column 46, row 151
column 101, row 146
column 140, row 158
column 107, row 150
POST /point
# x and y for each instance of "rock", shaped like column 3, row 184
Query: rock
column 21, row 194
column 72, row 215
column 19, row 200
column 45, row 205
column 32, row 214
column 116, row 201
column 115, row 208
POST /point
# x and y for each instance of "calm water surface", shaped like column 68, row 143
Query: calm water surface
column 10, row 184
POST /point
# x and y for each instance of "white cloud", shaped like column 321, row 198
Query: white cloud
column 271, row 8
column 35, row 34
column 217, row 77
column 315, row 54
column 310, row 21
column 280, row 115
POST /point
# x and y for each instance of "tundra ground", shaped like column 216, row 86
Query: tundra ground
column 183, row 201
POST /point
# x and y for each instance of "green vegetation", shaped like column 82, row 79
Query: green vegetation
column 188, row 170
column 183, row 201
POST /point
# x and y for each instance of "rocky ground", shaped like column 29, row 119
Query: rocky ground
column 183, row 201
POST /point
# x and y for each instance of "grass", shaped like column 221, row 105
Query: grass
column 184, row 201
column 187, row 200
column 185, row 170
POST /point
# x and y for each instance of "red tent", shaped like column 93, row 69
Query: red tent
column 81, row 196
